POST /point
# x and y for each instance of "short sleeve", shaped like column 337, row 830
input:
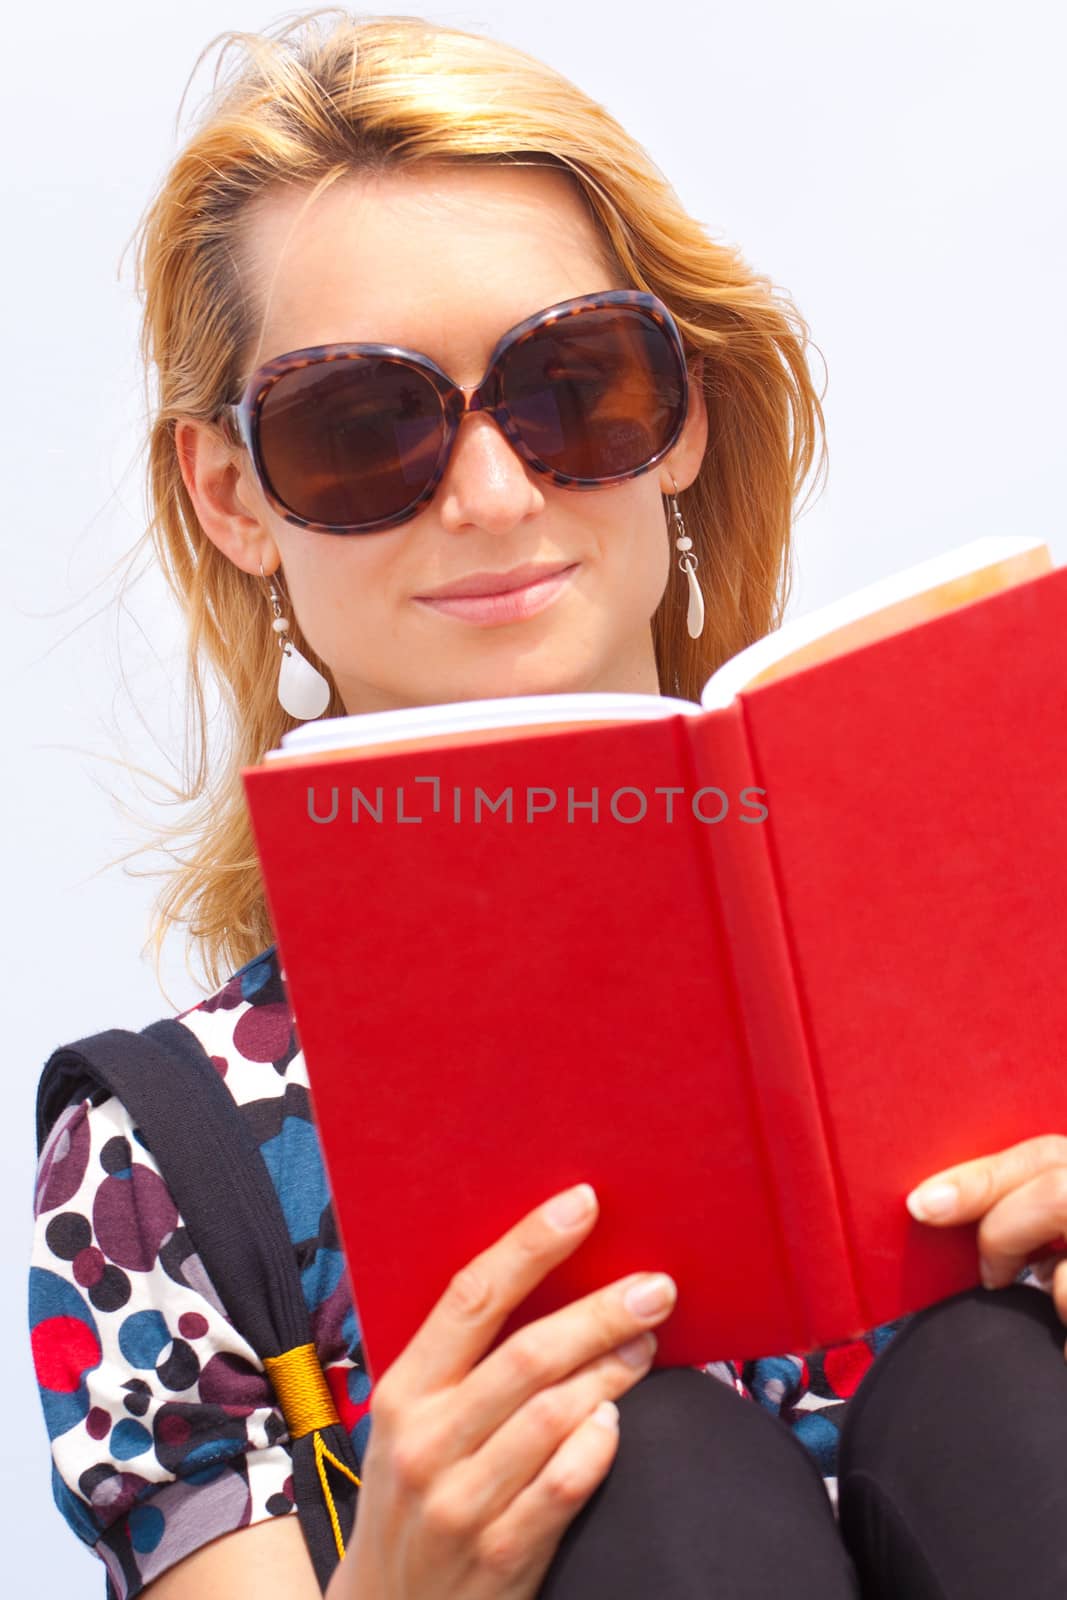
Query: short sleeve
column 163, row 1425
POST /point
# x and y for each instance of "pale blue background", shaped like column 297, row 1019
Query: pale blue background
column 900, row 168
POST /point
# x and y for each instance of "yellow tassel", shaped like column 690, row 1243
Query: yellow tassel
column 307, row 1406
column 321, row 1450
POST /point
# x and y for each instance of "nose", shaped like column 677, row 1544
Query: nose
column 486, row 481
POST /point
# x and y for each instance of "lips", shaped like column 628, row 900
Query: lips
column 507, row 605
column 487, row 583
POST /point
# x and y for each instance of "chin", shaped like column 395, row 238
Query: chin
column 523, row 677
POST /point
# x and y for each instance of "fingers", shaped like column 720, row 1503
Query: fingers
column 479, row 1299
column 486, row 1481
column 548, row 1349
column 965, row 1192
column 537, row 1518
column 1020, row 1224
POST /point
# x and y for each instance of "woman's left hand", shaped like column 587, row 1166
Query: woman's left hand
column 1019, row 1199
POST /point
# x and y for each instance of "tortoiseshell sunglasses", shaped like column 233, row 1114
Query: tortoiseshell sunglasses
column 354, row 438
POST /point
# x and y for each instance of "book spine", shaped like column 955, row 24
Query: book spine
column 784, row 1086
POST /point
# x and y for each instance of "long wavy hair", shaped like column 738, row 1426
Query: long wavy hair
column 308, row 104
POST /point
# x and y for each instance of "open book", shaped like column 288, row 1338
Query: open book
column 754, row 968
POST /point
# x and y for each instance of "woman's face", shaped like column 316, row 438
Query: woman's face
column 444, row 262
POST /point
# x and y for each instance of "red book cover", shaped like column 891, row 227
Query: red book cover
column 752, row 973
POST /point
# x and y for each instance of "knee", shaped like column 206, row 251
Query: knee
column 678, row 1414
column 668, row 1387
column 708, row 1494
column 975, row 1330
column 962, row 1351
column 670, row 1401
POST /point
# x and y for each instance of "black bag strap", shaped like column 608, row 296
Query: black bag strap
column 221, row 1186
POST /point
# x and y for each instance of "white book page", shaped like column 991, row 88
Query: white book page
column 509, row 711
column 953, row 578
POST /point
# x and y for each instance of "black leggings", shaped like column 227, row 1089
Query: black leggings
column 952, row 1477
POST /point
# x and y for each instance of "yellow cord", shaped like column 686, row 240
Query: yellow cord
column 320, row 1451
column 307, row 1406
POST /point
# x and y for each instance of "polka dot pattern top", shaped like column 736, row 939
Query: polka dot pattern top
column 164, row 1429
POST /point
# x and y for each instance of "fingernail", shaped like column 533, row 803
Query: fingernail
column 638, row 1352
column 571, row 1207
column 933, row 1203
column 988, row 1280
column 652, row 1296
column 606, row 1414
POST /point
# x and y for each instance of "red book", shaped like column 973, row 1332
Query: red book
column 753, row 1012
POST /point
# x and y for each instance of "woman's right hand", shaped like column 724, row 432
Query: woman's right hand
column 475, row 1467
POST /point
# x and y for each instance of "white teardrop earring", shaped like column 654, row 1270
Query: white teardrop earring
column 302, row 689
column 688, row 563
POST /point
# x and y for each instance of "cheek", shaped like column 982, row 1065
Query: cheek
column 635, row 564
column 336, row 593
column 635, row 535
column 651, row 554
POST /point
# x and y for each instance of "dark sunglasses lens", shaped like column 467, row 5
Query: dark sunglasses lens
column 598, row 394
column 350, row 440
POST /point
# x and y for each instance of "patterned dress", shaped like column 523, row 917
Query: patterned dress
column 163, row 1425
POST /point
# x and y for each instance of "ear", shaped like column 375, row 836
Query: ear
column 225, row 496
column 683, row 462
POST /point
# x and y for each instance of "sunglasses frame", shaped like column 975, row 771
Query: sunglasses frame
column 240, row 420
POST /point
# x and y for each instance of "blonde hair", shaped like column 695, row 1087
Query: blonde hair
column 306, row 106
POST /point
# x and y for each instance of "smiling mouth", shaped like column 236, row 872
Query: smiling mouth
column 508, row 605
column 483, row 583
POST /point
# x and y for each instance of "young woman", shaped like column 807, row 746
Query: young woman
column 388, row 183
